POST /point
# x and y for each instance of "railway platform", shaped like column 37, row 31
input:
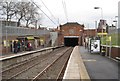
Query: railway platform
column 84, row 66
column 12, row 55
column 100, row 68
column 22, row 52
column 75, row 68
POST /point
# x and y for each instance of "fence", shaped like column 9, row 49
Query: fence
column 19, row 31
column 112, row 51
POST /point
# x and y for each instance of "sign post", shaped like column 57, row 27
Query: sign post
column 109, row 40
column 110, row 46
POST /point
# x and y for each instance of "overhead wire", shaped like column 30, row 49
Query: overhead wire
column 42, row 11
column 48, row 10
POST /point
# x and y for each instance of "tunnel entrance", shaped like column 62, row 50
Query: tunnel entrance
column 70, row 41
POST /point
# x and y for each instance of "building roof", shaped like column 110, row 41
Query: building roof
column 73, row 23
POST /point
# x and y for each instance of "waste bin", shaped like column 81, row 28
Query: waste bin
column 103, row 52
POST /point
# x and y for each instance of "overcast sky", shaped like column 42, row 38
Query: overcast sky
column 81, row 11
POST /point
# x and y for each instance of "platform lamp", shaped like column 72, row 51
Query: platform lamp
column 101, row 11
column 101, row 14
column 95, row 28
column 116, row 27
column 80, row 35
column 115, row 21
column 101, row 18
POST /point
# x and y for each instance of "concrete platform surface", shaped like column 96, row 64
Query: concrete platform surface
column 22, row 53
column 100, row 68
column 75, row 67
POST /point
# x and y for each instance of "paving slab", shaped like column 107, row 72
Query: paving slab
column 100, row 68
column 75, row 68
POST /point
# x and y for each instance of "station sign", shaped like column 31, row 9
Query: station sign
column 101, row 33
column 30, row 38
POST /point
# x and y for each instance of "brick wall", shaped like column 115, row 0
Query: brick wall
column 90, row 32
column 115, row 51
column 70, row 29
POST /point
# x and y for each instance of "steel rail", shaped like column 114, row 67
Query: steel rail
column 12, row 77
column 61, row 70
column 45, row 69
column 19, row 64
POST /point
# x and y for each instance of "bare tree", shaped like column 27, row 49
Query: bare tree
column 30, row 14
column 7, row 9
column 21, row 9
column 36, row 19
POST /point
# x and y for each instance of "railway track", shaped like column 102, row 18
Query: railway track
column 32, row 67
column 54, row 70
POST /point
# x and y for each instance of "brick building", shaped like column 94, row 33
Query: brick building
column 102, row 26
column 73, row 33
column 90, row 32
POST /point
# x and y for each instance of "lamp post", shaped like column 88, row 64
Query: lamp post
column 101, row 15
column 96, row 28
column 80, row 39
column 102, row 19
column 116, row 27
column 115, row 21
column 101, row 11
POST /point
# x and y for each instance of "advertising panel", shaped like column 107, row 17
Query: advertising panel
column 95, row 46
